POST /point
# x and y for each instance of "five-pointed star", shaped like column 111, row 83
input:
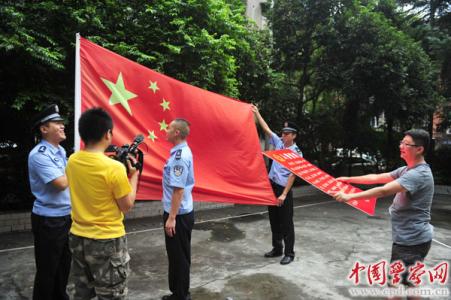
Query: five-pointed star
column 165, row 104
column 163, row 125
column 119, row 94
column 153, row 86
column 152, row 135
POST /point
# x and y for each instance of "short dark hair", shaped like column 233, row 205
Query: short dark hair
column 420, row 137
column 183, row 126
column 93, row 124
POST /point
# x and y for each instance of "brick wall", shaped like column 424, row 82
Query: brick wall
column 443, row 189
column 155, row 208
column 14, row 221
column 11, row 222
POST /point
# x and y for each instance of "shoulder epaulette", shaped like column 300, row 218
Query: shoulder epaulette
column 42, row 149
column 178, row 154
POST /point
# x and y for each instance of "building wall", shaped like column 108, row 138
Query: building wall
column 254, row 12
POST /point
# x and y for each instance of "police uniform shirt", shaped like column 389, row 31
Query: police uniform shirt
column 179, row 173
column 278, row 173
column 46, row 163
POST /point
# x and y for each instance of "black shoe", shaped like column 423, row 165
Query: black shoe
column 286, row 260
column 273, row 253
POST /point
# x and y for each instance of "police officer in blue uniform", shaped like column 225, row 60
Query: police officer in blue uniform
column 178, row 217
column 281, row 216
column 50, row 217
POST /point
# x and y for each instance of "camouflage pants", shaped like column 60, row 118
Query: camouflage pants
column 99, row 267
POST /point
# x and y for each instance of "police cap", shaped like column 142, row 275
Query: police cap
column 50, row 113
column 290, row 127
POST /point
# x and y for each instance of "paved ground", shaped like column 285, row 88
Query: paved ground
column 228, row 246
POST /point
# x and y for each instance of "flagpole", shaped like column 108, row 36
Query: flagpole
column 77, row 102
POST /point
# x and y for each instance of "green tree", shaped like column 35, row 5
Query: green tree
column 203, row 42
column 207, row 43
column 429, row 22
column 353, row 62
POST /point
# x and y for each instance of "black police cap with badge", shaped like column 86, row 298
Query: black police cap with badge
column 293, row 128
column 50, row 113
column 290, row 127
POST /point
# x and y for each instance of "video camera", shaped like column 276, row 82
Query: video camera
column 121, row 153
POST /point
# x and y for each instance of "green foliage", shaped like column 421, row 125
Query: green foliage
column 429, row 22
column 206, row 43
column 352, row 60
column 202, row 42
column 381, row 69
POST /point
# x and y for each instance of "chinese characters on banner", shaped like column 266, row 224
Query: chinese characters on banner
column 416, row 274
column 320, row 179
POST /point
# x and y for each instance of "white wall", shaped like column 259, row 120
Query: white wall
column 254, row 12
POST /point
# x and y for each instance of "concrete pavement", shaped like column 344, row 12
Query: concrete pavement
column 228, row 246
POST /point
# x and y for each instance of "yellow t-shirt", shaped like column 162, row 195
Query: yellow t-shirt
column 95, row 182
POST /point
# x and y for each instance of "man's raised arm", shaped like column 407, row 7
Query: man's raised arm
column 261, row 121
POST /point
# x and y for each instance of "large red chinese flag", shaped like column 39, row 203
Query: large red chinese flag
column 228, row 165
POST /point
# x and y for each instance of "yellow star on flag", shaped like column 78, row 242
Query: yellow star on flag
column 152, row 135
column 163, row 125
column 153, row 86
column 165, row 104
column 119, row 94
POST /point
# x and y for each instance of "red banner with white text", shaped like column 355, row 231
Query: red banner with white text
column 320, row 179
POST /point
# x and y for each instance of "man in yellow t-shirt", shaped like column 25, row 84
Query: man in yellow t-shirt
column 100, row 194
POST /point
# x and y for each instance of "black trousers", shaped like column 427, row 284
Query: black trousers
column 281, row 220
column 409, row 255
column 52, row 256
column 178, row 249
